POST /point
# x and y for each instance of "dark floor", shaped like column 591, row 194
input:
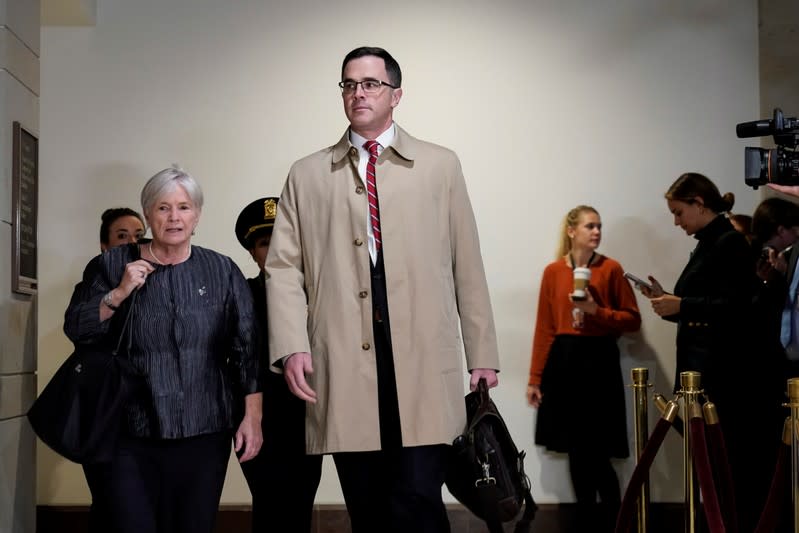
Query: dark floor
column 551, row 518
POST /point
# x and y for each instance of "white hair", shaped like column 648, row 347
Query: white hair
column 165, row 182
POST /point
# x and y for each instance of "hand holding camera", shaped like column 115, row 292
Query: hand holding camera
column 776, row 167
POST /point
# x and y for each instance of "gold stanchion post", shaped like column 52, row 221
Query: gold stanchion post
column 660, row 402
column 640, row 378
column 690, row 382
column 793, row 403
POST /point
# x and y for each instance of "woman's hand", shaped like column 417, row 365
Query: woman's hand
column 534, row 395
column 655, row 292
column 134, row 277
column 666, row 305
column 249, row 438
column 588, row 306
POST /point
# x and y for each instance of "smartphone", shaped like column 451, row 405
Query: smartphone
column 638, row 281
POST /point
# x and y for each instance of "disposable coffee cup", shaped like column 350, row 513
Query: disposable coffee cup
column 581, row 278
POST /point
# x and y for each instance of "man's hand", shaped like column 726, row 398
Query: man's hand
column 489, row 374
column 771, row 265
column 295, row 367
column 792, row 190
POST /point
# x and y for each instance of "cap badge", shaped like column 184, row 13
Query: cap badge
column 270, row 209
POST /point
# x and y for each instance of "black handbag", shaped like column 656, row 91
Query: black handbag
column 79, row 413
column 485, row 471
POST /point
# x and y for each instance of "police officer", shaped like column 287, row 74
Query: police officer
column 282, row 478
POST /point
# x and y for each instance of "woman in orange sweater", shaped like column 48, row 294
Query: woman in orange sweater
column 575, row 357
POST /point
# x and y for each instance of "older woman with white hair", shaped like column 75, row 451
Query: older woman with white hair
column 192, row 337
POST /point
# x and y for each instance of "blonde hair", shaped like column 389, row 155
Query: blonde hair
column 570, row 221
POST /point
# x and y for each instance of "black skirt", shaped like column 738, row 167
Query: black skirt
column 583, row 403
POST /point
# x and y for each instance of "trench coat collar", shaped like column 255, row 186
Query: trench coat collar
column 404, row 145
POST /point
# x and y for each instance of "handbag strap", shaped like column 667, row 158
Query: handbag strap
column 525, row 524
column 126, row 325
column 136, row 251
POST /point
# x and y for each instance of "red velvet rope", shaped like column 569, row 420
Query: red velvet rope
column 721, row 466
column 625, row 518
column 705, row 475
column 776, row 494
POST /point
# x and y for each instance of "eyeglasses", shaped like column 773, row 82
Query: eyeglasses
column 368, row 86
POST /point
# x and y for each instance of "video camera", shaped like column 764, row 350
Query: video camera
column 778, row 165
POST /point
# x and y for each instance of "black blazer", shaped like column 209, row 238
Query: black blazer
column 717, row 289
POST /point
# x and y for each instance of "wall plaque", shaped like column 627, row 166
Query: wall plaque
column 25, row 194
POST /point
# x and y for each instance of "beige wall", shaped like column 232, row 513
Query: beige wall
column 549, row 104
column 19, row 102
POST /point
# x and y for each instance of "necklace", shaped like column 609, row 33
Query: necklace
column 158, row 260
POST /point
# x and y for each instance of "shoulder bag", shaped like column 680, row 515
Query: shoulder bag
column 79, row 413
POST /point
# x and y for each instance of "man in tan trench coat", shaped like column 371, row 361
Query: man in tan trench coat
column 367, row 304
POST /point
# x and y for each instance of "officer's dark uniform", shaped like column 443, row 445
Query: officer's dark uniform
column 282, row 478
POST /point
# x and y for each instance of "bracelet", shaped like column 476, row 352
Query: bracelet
column 108, row 302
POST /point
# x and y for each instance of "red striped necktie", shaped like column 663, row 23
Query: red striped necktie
column 371, row 189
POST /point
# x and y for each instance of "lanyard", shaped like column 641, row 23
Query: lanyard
column 590, row 260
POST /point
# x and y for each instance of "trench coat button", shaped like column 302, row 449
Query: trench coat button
column 363, row 294
column 359, row 189
column 365, row 346
column 358, row 242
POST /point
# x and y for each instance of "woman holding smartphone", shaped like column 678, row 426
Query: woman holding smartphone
column 575, row 353
column 719, row 335
column 712, row 298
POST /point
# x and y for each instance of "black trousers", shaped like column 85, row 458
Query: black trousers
column 282, row 478
column 97, row 477
column 592, row 474
column 394, row 491
column 168, row 486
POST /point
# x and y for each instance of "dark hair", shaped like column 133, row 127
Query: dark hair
column 392, row 67
column 109, row 216
column 771, row 214
column 743, row 221
column 692, row 185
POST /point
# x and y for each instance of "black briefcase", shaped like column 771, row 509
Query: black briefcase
column 486, row 471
